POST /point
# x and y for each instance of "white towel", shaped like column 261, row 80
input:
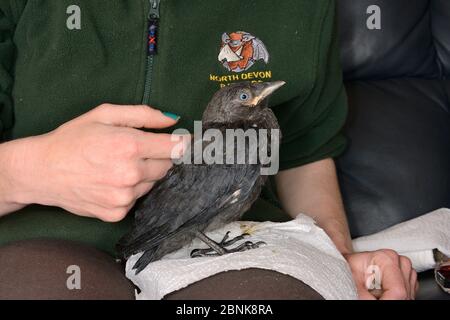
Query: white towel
column 297, row 248
column 415, row 239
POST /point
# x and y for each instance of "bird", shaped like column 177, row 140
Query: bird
column 193, row 199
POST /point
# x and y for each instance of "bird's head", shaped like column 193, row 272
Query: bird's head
column 240, row 101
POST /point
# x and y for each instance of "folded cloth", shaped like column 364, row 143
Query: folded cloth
column 415, row 239
column 297, row 248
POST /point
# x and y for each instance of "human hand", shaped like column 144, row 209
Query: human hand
column 98, row 164
column 398, row 279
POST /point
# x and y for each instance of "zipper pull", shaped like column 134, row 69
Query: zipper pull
column 154, row 10
column 153, row 24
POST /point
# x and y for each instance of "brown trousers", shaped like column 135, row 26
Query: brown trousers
column 43, row 269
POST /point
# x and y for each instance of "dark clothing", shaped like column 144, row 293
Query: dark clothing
column 51, row 72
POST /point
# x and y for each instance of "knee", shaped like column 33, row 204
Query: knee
column 55, row 269
column 249, row 284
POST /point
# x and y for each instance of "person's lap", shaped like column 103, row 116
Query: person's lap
column 249, row 284
column 38, row 269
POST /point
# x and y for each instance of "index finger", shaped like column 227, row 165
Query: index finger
column 393, row 283
column 138, row 116
column 160, row 146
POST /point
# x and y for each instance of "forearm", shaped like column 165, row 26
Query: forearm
column 313, row 190
column 14, row 163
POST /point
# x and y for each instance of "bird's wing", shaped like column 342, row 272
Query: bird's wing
column 188, row 195
column 259, row 51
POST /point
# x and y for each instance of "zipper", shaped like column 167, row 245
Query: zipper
column 152, row 46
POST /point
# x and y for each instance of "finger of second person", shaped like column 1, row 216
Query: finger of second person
column 159, row 145
column 364, row 293
column 416, row 287
column 393, row 282
column 405, row 266
column 413, row 283
column 154, row 170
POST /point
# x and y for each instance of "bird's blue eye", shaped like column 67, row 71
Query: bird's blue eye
column 244, row 97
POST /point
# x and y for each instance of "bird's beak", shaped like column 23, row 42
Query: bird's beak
column 267, row 89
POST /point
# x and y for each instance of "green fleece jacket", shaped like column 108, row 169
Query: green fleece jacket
column 61, row 58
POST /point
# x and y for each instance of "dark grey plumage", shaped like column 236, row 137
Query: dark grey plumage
column 194, row 198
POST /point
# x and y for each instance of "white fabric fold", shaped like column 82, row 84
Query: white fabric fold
column 416, row 239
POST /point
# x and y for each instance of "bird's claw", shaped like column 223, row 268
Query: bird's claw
column 225, row 243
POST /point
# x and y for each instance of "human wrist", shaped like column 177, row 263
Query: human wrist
column 343, row 244
column 339, row 234
column 20, row 164
column 345, row 248
column 342, row 241
column 7, row 184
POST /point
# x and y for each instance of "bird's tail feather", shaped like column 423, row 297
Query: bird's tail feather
column 130, row 244
column 147, row 257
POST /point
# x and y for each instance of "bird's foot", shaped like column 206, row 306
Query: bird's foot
column 224, row 245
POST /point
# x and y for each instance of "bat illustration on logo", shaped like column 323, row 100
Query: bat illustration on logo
column 240, row 50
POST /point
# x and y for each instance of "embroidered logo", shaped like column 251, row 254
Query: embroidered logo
column 240, row 50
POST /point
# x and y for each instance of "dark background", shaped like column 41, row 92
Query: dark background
column 397, row 165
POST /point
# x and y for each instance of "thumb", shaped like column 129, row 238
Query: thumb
column 364, row 293
column 137, row 116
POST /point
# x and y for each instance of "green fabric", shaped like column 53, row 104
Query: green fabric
column 263, row 210
column 7, row 22
column 50, row 74
column 36, row 222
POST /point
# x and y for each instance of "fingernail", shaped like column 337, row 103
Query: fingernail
column 172, row 116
